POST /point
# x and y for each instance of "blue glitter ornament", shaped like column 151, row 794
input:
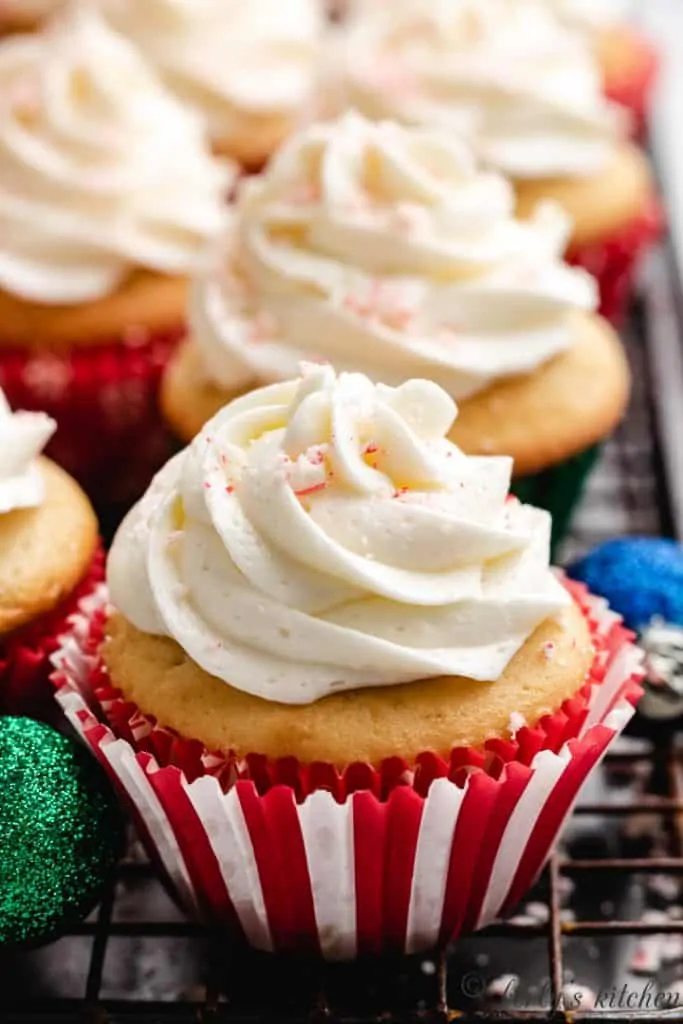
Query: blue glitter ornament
column 642, row 579
column 61, row 832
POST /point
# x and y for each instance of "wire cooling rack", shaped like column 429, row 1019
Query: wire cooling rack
column 601, row 936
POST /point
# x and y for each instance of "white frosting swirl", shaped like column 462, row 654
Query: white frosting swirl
column 228, row 57
column 504, row 74
column 323, row 535
column 23, row 435
column 383, row 249
column 101, row 170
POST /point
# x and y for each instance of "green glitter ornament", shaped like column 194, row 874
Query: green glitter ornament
column 61, row 832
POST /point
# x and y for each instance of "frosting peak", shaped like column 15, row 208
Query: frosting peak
column 385, row 249
column 507, row 75
column 323, row 535
column 228, row 57
column 23, row 435
column 101, row 170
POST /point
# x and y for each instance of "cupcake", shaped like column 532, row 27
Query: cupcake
column 526, row 92
column 108, row 195
column 385, row 250
column 346, row 698
column 627, row 60
column 26, row 15
column 249, row 69
column 49, row 558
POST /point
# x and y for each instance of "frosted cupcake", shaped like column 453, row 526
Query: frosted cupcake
column 27, row 15
column 108, row 196
column 248, row 69
column 626, row 60
column 344, row 695
column 526, row 92
column 48, row 558
column 385, row 250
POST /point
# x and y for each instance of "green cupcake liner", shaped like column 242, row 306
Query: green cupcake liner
column 558, row 489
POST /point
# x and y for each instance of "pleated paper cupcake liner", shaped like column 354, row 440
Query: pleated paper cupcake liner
column 25, row 653
column 614, row 261
column 110, row 435
column 362, row 860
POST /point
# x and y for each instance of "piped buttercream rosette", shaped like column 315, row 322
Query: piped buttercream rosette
column 385, row 250
column 323, row 535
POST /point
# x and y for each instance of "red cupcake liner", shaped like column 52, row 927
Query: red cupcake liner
column 25, row 653
column 308, row 858
column 104, row 397
column 614, row 261
column 633, row 89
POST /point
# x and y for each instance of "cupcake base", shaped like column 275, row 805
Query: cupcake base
column 105, row 401
column 25, row 654
column 361, row 860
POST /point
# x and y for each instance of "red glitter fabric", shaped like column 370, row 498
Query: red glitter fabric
column 614, row 261
column 25, row 654
column 363, row 859
column 110, row 436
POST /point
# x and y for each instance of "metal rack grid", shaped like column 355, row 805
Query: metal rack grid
column 138, row 959
column 234, row 986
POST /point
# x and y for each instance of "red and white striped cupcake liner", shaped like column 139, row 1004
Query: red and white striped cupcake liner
column 104, row 397
column 366, row 860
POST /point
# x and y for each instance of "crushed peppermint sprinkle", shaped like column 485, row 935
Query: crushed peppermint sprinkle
column 388, row 73
column 207, row 485
column 305, row 192
column 410, row 217
column 447, row 332
column 399, row 492
column 24, row 96
column 384, row 302
column 371, row 448
column 229, row 488
column 548, row 649
column 314, row 489
column 316, row 454
column 262, row 327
